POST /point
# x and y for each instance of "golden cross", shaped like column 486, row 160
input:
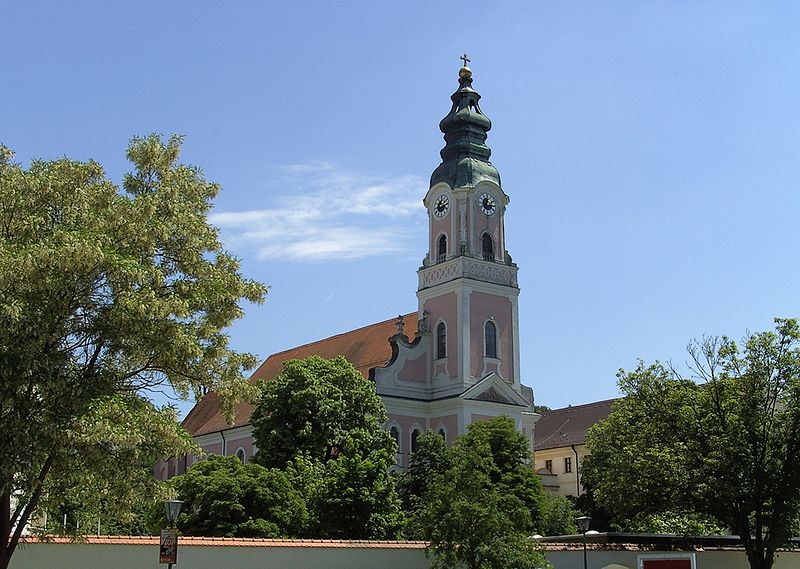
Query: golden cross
column 465, row 59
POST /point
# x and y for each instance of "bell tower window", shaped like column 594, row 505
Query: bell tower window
column 441, row 341
column 441, row 249
column 490, row 339
column 488, row 247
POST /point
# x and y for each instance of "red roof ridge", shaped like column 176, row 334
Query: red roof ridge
column 189, row 541
column 581, row 406
column 374, row 324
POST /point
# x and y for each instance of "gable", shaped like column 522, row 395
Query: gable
column 494, row 396
column 495, row 389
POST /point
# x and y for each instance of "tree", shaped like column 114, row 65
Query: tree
column 481, row 511
column 723, row 443
column 223, row 497
column 105, row 293
column 431, row 459
column 558, row 515
column 107, row 475
column 322, row 422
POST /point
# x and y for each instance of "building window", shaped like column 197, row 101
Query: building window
column 548, row 464
column 441, row 249
column 441, row 341
column 240, row 454
column 443, row 434
column 414, row 437
column 490, row 339
column 568, row 465
column 488, row 247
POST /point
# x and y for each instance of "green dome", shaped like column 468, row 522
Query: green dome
column 465, row 156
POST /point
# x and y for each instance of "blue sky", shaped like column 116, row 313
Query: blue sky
column 651, row 151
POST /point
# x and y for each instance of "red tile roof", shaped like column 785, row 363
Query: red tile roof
column 365, row 348
column 229, row 542
column 568, row 426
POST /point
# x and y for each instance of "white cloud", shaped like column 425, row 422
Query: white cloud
column 335, row 214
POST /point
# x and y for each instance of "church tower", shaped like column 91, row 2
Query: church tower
column 463, row 363
column 468, row 284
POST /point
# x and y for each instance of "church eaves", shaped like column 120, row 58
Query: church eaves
column 465, row 156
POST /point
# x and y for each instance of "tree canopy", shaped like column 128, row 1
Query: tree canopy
column 223, row 497
column 723, row 443
column 322, row 422
column 106, row 292
column 482, row 501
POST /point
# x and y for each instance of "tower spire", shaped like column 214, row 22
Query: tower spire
column 465, row 156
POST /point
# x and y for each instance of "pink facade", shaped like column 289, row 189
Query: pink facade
column 415, row 370
column 485, row 307
column 406, row 425
column 444, row 309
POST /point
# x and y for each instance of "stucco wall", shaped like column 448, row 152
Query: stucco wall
column 567, row 481
column 706, row 559
column 331, row 556
column 256, row 554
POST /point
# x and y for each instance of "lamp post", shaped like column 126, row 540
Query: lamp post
column 172, row 508
column 583, row 525
column 168, row 551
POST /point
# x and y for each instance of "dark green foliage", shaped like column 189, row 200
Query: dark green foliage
column 719, row 450
column 321, row 407
column 322, row 422
column 480, row 507
column 431, row 459
column 223, row 497
column 558, row 515
column 682, row 523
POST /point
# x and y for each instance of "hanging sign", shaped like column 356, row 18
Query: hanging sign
column 168, row 549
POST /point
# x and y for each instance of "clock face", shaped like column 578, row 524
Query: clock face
column 441, row 206
column 487, row 204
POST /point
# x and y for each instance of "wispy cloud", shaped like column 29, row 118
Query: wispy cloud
column 335, row 214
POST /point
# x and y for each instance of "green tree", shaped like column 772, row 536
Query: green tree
column 724, row 443
column 322, row 422
column 105, row 292
column 431, row 459
column 223, row 497
column 558, row 515
column 481, row 511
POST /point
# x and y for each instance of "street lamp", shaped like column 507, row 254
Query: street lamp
column 583, row 525
column 168, row 550
column 172, row 509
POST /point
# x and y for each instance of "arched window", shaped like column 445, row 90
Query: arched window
column 396, row 436
column 441, row 249
column 414, row 437
column 240, row 454
column 442, row 434
column 441, row 341
column 488, row 247
column 490, row 339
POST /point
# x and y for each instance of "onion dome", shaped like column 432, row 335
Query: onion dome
column 465, row 156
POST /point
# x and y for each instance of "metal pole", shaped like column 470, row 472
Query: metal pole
column 583, row 525
column 172, row 525
column 584, row 550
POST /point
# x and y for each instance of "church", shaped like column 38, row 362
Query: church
column 456, row 359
